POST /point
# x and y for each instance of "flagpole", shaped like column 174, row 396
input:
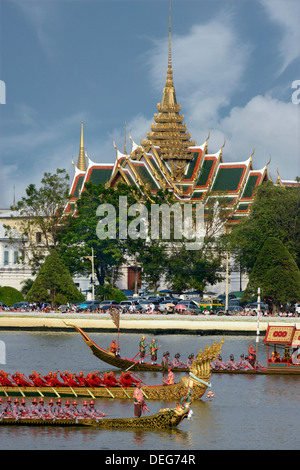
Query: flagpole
column 257, row 327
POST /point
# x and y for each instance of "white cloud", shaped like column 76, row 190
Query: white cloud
column 209, row 64
column 272, row 127
column 286, row 14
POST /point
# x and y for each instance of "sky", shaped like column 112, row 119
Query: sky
column 236, row 73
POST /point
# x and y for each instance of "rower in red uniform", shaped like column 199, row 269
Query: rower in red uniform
column 37, row 380
column 81, row 379
column 70, row 381
column 251, row 355
column 21, row 380
column 55, row 382
column 126, row 379
column 5, row 381
column 110, row 380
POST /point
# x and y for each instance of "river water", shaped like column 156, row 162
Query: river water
column 247, row 412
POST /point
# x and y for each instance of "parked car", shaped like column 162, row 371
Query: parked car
column 232, row 310
column 90, row 305
column 105, row 308
column 254, row 306
column 166, row 306
column 191, row 306
column 3, row 306
column 108, row 302
column 20, row 305
column 211, row 305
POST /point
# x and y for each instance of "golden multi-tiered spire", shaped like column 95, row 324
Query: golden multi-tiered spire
column 168, row 132
column 81, row 165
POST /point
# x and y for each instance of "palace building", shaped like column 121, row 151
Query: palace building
column 168, row 159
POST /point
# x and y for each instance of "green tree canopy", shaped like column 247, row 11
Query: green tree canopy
column 54, row 283
column 10, row 295
column 276, row 273
column 275, row 212
column 37, row 216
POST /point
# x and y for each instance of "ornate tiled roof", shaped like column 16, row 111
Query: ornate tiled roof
column 168, row 159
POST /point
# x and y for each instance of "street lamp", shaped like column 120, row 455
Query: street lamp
column 91, row 258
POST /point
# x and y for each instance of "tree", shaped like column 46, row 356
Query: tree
column 10, row 295
column 276, row 273
column 192, row 270
column 54, row 283
column 38, row 216
column 275, row 211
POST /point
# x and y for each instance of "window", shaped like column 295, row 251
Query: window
column 16, row 257
column 6, row 257
column 38, row 237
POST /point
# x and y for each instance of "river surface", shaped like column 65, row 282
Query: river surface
column 247, row 412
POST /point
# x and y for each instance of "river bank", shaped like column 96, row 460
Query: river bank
column 133, row 323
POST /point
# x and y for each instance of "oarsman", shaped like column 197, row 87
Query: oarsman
column 81, row 379
column 190, row 360
column 218, row 364
column 70, row 381
column 34, row 410
column 142, row 349
column 74, row 409
column 5, row 380
column 16, row 412
column 93, row 379
column 231, row 364
column 153, row 351
column 20, row 380
column 7, row 410
column 55, row 382
column 138, row 400
column 244, row 364
column 50, row 409
column 23, row 408
column 85, row 411
column 58, row 412
column 127, row 380
column 37, row 380
column 177, row 362
column 67, row 412
column 94, row 412
column 110, row 379
column 41, row 407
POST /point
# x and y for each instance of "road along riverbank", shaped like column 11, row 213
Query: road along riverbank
column 132, row 323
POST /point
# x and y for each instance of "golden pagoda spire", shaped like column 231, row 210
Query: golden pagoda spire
column 168, row 132
column 81, row 165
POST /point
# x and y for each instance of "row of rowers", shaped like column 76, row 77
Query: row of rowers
column 53, row 410
column 52, row 379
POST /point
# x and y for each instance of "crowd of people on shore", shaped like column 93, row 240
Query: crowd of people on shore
column 42, row 307
column 18, row 409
